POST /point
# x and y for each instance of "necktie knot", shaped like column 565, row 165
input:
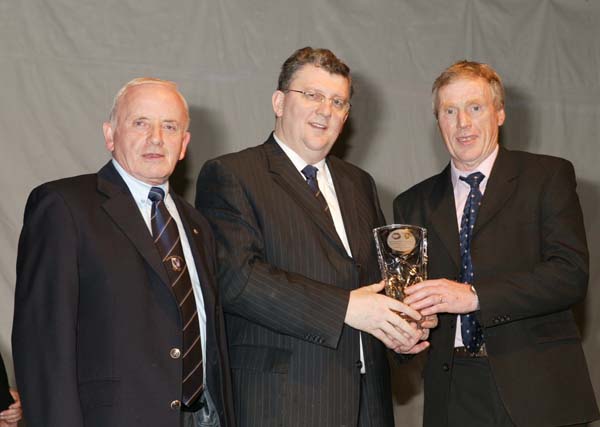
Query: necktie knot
column 156, row 194
column 310, row 172
column 473, row 179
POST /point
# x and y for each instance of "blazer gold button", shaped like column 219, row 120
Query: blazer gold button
column 175, row 353
column 176, row 404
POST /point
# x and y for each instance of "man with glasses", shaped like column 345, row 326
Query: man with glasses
column 293, row 226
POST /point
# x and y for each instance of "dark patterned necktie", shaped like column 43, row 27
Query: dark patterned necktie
column 310, row 172
column 472, row 333
column 167, row 240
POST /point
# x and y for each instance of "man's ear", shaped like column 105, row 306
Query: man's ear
column 501, row 116
column 184, row 145
column 109, row 142
column 278, row 101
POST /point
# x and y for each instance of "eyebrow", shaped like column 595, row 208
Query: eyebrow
column 467, row 102
column 148, row 118
column 335, row 95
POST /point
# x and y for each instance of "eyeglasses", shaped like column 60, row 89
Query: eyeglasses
column 337, row 104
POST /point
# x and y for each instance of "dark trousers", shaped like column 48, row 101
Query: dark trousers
column 474, row 399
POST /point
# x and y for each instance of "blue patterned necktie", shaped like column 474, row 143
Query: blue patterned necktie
column 472, row 333
column 310, row 172
column 168, row 242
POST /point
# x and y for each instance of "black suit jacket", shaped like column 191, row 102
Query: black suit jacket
column 285, row 279
column 531, row 266
column 94, row 315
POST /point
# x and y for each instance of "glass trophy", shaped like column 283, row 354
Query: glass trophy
column 402, row 254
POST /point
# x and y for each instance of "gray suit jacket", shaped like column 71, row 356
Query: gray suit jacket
column 285, row 279
column 531, row 266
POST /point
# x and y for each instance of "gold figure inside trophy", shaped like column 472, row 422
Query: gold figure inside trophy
column 402, row 254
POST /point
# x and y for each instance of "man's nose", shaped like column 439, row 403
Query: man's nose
column 156, row 136
column 464, row 120
column 324, row 107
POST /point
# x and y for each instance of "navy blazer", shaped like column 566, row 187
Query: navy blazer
column 95, row 318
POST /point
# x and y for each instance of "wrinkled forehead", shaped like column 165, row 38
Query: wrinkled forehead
column 155, row 96
column 465, row 90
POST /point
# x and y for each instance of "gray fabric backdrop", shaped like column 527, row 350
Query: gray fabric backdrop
column 62, row 61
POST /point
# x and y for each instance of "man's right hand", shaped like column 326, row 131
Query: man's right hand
column 377, row 314
column 11, row 416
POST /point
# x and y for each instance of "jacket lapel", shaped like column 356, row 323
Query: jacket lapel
column 121, row 207
column 443, row 217
column 500, row 187
column 287, row 176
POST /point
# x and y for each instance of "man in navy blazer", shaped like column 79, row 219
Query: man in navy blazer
column 97, row 336
column 528, row 266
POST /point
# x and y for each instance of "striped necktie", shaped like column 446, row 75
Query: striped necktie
column 310, row 172
column 168, row 242
column 471, row 331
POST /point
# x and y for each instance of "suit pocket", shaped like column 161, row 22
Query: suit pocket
column 260, row 383
column 556, row 330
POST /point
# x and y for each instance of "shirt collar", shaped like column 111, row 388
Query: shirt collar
column 138, row 189
column 298, row 162
column 484, row 167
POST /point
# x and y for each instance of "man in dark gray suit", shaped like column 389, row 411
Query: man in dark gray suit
column 508, row 259
column 294, row 251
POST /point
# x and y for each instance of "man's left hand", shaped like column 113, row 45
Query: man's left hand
column 441, row 296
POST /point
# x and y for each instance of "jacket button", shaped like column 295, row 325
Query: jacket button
column 445, row 367
column 358, row 364
column 176, row 404
column 175, row 353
